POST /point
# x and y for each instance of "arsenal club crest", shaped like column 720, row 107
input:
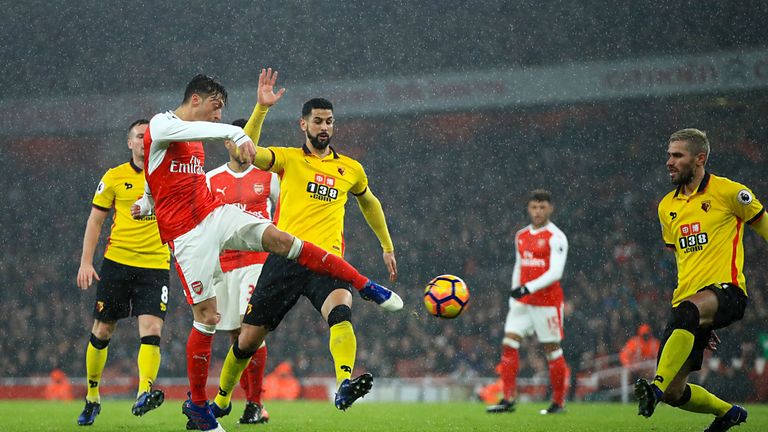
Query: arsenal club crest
column 197, row 287
column 258, row 188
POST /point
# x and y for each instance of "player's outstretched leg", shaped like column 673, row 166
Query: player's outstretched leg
column 320, row 261
column 91, row 410
column 148, row 401
column 382, row 296
column 648, row 396
column 351, row 390
column 734, row 417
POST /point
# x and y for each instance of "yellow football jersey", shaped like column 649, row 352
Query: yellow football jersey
column 706, row 231
column 313, row 192
column 132, row 242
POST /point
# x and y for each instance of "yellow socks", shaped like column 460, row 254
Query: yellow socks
column 95, row 359
column 705, row 402
column 343, row 346
column 676, row 351
column 149, row 362
column 233, row 368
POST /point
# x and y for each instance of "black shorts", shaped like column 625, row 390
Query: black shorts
column 280, row 285
column 130, row 291
column 731, row 303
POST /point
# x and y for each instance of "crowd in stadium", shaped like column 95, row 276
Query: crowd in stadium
column 453, row 187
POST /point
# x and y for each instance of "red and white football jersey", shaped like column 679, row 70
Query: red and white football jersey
column 173, row 166
column 254, row 191
column 539, row 263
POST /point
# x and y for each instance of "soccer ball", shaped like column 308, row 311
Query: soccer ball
column 446, row 296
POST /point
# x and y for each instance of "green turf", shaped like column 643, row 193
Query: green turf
column 370, row 417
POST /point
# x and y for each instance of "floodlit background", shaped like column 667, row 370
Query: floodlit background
column 456, row 109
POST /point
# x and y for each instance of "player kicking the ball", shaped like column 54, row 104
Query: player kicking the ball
column 198, row 226
column 536, row 303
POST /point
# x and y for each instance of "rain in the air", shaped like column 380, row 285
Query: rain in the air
column 383, row 216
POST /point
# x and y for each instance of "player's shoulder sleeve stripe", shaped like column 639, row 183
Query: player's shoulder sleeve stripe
column 360, row 193
column 670, row 246
column 98, row 207
column 756, row 217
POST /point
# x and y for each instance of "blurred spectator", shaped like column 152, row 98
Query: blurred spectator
column 59, row 387
column 281, row 383
column 641, row 347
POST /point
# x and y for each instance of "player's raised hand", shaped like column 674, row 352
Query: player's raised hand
column 86, row 275
column 391, row 263
column 266, row 93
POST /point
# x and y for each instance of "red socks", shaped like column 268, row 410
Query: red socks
column 325, row 263
column 198, row 359
column 510, row 364
column 253, row 376
column 558, row 371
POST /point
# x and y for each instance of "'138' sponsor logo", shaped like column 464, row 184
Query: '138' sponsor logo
column 322, row 188
column 692, row 238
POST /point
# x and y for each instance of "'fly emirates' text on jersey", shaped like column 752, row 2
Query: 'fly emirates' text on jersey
column 173, row 165
column 539, row 263
column 254, row 191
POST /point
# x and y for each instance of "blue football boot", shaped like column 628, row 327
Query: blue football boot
column 201, row 417
column 734, row 417
column 352, row 390
column 91, row 410
column 148, row 401
column 382, row 296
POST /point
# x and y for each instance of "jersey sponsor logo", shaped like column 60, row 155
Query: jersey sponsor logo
column 223, row 190
column 258, row 189
column 346, row 368
column 706, row 205
column 100, row 188
column 197, row 287
column 128, row 185
column 673, row 215
column 528, row 260
column 194, row 166
column 322, row 188
column 692, row 237
column 744, row 197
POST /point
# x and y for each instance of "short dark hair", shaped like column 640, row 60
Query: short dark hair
column 241, row 122
column 205, row 85
column 540, row 195
column 316, row 103
column 696, row 140
column 137, row 123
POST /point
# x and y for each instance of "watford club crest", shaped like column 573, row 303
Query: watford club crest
column 706, row 205
column 100, row 306
column 341, row 171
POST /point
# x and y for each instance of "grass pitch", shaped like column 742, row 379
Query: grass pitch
column 370, row 417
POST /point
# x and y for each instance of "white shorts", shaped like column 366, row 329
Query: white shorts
column 545, row 321
column 233, row 291
column 197, row 251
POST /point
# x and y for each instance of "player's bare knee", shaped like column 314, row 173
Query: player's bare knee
column 103, row 329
